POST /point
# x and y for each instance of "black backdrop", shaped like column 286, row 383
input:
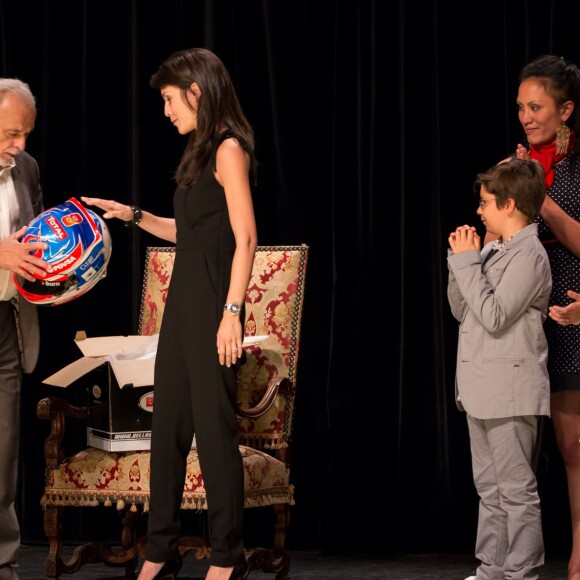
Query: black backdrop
column 372, row 119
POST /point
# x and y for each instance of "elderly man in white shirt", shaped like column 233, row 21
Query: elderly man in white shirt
column 20, row 202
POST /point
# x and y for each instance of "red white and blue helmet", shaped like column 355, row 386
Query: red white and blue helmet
column 79, row 249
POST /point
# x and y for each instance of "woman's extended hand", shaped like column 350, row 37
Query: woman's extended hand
column 565, row 315
column 112, row 209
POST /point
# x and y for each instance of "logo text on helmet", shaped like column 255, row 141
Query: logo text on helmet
column 55, row 227
column 64, row 263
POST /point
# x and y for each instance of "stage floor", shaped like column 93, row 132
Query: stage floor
column 304, row 566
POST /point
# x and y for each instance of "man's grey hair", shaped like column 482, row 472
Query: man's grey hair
column 18, row 88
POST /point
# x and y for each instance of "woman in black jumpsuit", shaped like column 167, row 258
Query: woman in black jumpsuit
column 195, row 386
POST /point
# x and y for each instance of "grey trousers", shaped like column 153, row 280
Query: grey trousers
column 509, row 541
column 10, row 382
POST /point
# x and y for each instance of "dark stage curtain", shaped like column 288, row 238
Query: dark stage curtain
column 372, row 119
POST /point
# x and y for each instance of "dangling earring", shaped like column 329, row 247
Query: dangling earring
column 562, row 139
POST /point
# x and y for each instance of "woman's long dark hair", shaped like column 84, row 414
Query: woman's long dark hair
column 217, row 106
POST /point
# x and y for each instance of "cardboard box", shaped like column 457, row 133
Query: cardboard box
column 119, row 416
column 117, row 373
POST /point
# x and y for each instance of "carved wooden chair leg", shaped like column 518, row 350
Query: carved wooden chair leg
column 52, row 529
column 128, row 540
column 277, row 560
column 194, row 544
column 281, row 558
column 280, row 528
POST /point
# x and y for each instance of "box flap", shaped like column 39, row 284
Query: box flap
column 136, row 373
column 120, row 347
column 74, row 371
column 132, row 359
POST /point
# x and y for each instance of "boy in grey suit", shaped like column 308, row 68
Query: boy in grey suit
column 500, row 295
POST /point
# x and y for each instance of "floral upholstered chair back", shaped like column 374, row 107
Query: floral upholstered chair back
column 273, row 309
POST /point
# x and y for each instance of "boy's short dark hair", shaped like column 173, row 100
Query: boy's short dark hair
column 520, row 179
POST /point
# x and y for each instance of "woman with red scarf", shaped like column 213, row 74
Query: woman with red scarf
column 549, row 111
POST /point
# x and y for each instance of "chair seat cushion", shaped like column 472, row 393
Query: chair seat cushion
column 93, row 477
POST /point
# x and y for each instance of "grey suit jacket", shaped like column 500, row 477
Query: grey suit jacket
column 26, row 178
column 502, row 350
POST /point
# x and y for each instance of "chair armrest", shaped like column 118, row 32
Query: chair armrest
column 55, row 410
column 275, row 386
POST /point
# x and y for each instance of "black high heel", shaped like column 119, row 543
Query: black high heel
column 169, row 570
column 238, row 572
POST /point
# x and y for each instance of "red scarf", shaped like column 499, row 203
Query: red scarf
column 546, row 156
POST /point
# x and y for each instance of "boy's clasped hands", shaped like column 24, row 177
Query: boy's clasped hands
column 464, row 239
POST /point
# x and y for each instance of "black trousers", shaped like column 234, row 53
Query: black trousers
column 195, row 394
column 10, row 383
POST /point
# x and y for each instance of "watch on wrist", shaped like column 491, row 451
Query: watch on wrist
column 233, row 308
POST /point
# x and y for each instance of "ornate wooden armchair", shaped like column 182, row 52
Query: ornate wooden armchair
column 267, row 384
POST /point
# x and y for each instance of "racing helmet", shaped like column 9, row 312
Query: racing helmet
column 79, row 249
